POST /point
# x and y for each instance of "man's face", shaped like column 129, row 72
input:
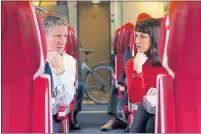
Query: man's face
column 57, row 38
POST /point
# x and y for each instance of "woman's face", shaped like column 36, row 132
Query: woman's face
column 142, row 41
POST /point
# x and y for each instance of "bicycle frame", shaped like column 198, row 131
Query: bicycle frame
column 99, row 79
column 84, row 65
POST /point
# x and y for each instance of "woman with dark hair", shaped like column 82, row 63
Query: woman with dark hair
column 141, row 72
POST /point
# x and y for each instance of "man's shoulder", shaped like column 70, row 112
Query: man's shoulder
column 69, row 57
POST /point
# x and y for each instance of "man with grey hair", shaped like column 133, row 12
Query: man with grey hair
column 61, row 65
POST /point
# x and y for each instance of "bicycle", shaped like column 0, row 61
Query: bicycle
column 97, row 93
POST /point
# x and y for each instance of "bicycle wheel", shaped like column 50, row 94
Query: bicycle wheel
column 99, row 83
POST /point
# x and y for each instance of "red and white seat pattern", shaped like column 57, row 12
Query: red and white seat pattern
column 179, row 107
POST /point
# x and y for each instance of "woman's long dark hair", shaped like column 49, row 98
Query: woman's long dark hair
column 152, row 27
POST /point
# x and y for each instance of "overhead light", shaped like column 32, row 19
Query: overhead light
column 95, row 1
column 36, row 3
column 48, row 3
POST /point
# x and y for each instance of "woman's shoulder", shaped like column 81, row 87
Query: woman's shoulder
column 129, row 62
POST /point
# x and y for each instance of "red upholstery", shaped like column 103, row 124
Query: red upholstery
column 161, row 19
column 69, row 44
column 115, row 40
column 161, row 40
column 60, row 115
column 127, row 29
column 120, row 39
column 119, row 55
column 142, row 16
column 167, row 99
column 72, row 46
column 40, row 109
column 130, row 117
column 65, row 123
column 25, row 98
column 132, row 41
column 183, row 52
column 125, row 112
column 64, row 126
column 43, row 36
column 75, row 46
column 3, row 18
column 71, row 49
column 72, row 105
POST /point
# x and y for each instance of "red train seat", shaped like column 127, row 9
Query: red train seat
column 25, row 91
column 180, row 91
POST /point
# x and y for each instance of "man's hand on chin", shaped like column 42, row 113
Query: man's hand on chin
column 56, row 62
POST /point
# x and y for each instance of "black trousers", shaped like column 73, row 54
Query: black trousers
column 113, row 101
column 143, row 122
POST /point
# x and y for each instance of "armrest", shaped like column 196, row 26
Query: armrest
column 63, row 112
column 132, row 106
column 165, row 110
column 41, row 113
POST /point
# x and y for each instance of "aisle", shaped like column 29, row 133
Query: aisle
column 91, row 118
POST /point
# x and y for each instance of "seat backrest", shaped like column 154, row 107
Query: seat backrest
column 127, row 29
column 75, row 50
column 22, row 55
column 72, row 47
column 23, row 45
column 115, row 40
column 119, row 55
column 181, row 58
column 69, row 44
column 132, row 42
column 120, row 38
column 162, row 38
column 75, row 45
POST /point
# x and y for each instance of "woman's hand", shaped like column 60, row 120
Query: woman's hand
column 152, row 91
column 139, row 60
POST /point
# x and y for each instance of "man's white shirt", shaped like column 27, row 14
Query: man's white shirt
column 65, row 82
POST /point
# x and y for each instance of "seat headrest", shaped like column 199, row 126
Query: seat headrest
column 184, row 43
column 142, row 16
column 20, row 44
column 172, row 6
column 128, row 29
column 75, row 45
column 125, row 36
column 3, row 19
column 69, row 43
column 161, row 19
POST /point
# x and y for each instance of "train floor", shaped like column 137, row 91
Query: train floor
column 91, row 118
